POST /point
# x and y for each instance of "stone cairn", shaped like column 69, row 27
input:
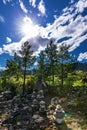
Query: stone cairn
column 24, row 112
column 29, row 112
column 41, row 85
column 55, row 114
column 58, row 114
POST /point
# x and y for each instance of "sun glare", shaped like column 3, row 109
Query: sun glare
column 27, row 28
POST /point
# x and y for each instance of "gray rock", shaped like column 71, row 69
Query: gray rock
column 59, row 114
column 54, row 101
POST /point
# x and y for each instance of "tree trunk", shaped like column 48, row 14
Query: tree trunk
column 52, row 72
column 62, row 75
column 23, row 91
column 53, row 77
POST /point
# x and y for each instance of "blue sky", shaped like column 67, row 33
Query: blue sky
column 40, row 20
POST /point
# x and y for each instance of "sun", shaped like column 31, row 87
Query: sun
column 27, row 28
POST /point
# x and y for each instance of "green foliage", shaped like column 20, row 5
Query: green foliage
column 12, row 82
column 51, row 59
column 27, row 60
column 78, row 83
column 47, row 62
column 78, row 79
column 41, row 64
column 0, row 84
column 66, row 62
column 57, row 67
column 12, row 68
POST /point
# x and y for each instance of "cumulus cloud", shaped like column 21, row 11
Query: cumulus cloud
column 8, row 40
column 2, row 68
column 1, row 51
column 81, row 5
column 23, row 6
column 82, row 56
column 69, row 24
column 6, row 1
column 32, row 2
column 12, row 48
column 72, row 1
column 41, row 7
column 2, row 19
column 37, row 43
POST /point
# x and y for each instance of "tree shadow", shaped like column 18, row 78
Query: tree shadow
column 82, row 120
column 63, row 126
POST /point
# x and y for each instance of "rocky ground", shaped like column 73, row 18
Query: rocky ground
column 17, row 114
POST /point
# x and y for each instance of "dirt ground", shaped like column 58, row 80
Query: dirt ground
column 73, row 120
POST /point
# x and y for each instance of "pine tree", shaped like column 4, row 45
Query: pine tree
column 51, row 58
column 27, row 60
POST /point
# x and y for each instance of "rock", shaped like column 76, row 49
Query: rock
column 35, row 116
column 40, row 95
column 54, row 101
column 35, row 105
column 33, row 96
column 6, row 95
column 42, row 108
column 20, row 110
column 40, row 85
column 59, row 114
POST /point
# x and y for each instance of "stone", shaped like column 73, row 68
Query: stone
column 54, row 101
column 20, row 110
column 40, row 95
column 6, row 95
column 38, row 120
column 35, row 105
column 59, row 114
column 40, row 84
column 42, row 108
column 33, row 96
column 35, row 116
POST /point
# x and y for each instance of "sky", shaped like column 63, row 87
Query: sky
column 38, row 21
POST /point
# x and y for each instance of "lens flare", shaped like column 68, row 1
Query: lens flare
column 27, row 28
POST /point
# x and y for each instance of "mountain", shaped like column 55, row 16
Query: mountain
column 82, row 66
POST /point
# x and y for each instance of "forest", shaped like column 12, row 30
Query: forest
column 58, row 71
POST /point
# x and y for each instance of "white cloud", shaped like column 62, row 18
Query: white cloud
column 32, row 2
column 37, row 43
column 70, row 24
column 23, row 6
column 36, row 63
column 2, row 19
column 76, row 42
column 2, row 68
column 81, row 5
column 1, row 51
column 41, row 7
column 82, row 56
column 12, row 48
column 8, row 40
column 72, row 1
column 6, row 1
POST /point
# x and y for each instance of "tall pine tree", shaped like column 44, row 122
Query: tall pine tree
column 51, row 58
column 27, row 60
